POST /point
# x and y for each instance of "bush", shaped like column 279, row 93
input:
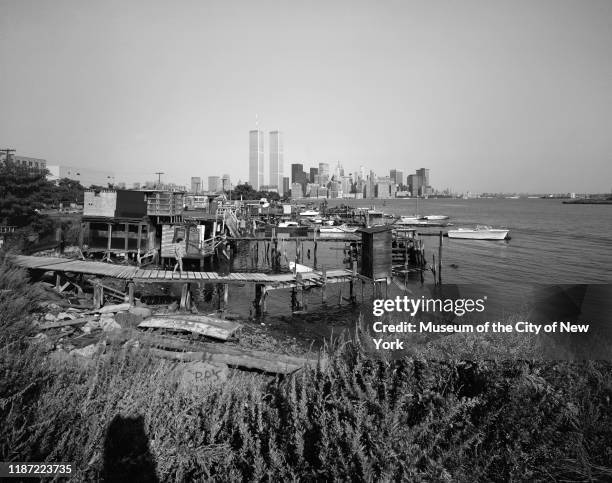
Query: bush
column 358, row 419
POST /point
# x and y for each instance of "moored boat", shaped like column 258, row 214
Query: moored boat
column 435, row 217
column 337, row 229
column 479, row 233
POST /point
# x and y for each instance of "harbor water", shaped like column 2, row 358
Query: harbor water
column 551, row 243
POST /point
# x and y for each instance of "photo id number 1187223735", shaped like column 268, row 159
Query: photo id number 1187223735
column 21, row 469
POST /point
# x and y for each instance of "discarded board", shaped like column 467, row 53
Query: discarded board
column 66, row 323
column 196, row 375
column 198, row 324
column 184, row 350
column 110, row 309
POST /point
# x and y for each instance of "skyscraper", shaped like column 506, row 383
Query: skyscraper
column 256, row 159
column 296, row 172
column 397, row 177
column 226, row 182
column 313, row 172
column 276, row 161
column 324, row 173
column 214, row 184
column 196, row 184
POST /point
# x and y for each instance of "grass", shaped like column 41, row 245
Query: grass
column 360, row 419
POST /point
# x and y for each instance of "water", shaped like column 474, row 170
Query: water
column 551, row 243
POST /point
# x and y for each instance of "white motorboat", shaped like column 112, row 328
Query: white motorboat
column 337, row 229
column 479, row 233
column 410, row 219
column 309, row 213
column 435, row 217
column 287, row 224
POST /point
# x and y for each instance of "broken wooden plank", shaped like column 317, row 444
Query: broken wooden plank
column 66, row 323
column 198, row 324
column 231, row 355
column 273, row 367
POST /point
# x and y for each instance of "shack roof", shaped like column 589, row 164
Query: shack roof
column 374, row 229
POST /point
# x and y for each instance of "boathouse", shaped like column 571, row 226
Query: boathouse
column 376, row 261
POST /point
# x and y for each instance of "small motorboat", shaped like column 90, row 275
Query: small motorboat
column 309, row 213
column 287, row 224
column 481, row 232
column 410, row 219
column 435, row 217
column 337, row 229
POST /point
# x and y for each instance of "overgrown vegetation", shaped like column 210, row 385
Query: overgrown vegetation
column 359, row 419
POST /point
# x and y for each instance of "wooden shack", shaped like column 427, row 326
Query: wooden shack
column 114, row 204
column 376, row 255
column 197, row 245
column 115, row 221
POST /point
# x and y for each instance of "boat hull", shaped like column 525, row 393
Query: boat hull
column 479, row 234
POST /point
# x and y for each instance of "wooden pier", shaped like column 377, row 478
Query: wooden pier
column 263, row 282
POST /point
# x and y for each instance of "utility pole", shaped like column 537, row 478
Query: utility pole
column 159, row 173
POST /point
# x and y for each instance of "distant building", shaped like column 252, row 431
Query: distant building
column 196, row 184
column 313, row 172
column 383, row 188
column 425, row 186
column 286, row 185
column 297, row 170
column 256, row 159
column 296, row 191
column 397, row 177
column 346, row 184
column 312, row 189
column 214, row 184
column 226, row 183
column 30, row 163
column 322, row 192
column 85, row 176
column 323, row 173
column 276, row 160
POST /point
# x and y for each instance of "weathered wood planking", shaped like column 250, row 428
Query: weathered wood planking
column 150, row 275
column 198, row 324
column 232, row 356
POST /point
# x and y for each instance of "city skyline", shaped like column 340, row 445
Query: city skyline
column 497, row 97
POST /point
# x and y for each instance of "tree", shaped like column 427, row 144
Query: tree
column 22, row 192
column 246, row 192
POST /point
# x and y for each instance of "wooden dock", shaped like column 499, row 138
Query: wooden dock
column 135, row 274
column 263, row 282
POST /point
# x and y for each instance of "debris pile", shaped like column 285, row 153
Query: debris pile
column 205, row 344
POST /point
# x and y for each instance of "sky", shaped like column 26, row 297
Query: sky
column 490, row 95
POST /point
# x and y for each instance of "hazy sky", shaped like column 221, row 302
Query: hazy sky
column 490, row 95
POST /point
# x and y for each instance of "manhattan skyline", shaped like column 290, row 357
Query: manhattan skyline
column 491, row 96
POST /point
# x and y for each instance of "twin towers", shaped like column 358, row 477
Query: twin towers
column 256, row 160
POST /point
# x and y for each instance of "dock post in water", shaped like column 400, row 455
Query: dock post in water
column 185, row 297
column 131, row 293
column 352, row 282
column 323, row 284
column 260, row 299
